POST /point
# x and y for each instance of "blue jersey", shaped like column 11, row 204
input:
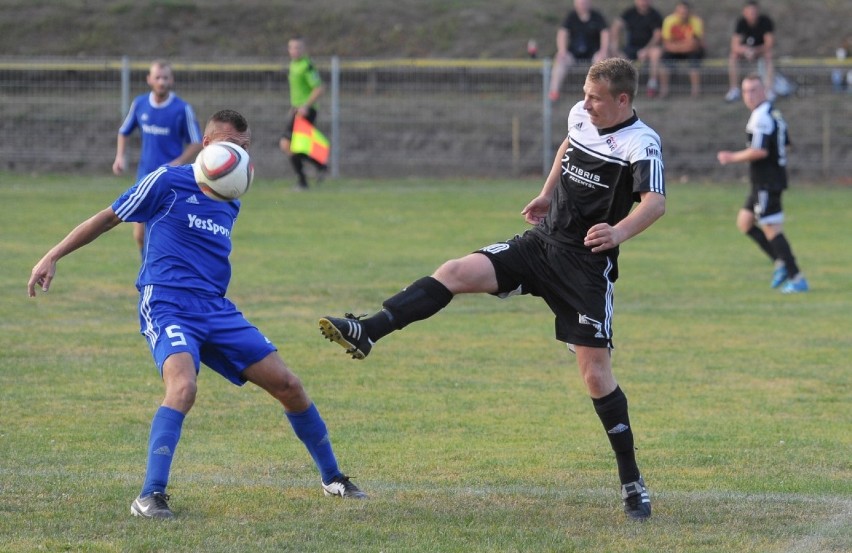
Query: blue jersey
column 165, row 129
column 187, row 235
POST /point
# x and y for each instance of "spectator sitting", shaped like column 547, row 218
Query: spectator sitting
column 753, row 39
column 840, row 78
column 683, row 40
column 642, row 24
column 582, row 37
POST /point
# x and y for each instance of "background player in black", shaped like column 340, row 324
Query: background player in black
column 609, row 161
column 767, row 156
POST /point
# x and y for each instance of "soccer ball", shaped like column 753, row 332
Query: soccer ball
column 223, row 171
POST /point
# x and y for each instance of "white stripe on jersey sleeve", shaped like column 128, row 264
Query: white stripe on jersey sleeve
column 657, row 180
column 131, row 113
column 192, row 124
column 142, row 188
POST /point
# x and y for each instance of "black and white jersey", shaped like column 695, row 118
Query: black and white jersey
column 766, row 130
column 603, row 173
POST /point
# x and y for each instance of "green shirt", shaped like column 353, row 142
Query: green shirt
column 304, row 78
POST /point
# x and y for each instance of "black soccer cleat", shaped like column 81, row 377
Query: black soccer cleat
column 152, row 506
column 348, row 333
column 341, row 486
column 637, row 502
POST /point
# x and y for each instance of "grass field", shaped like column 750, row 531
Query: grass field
column 471, row 431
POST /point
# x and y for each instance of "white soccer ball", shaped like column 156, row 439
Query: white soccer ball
column 223, row 171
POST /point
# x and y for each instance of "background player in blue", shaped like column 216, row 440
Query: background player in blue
column 186, row 317
column 608, row 161
column 169, row 129
column 762, row 216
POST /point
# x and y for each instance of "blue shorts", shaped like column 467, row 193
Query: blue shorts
column 212, row 330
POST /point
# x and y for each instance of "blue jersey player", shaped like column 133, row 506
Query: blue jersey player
column 167, row 124
column 187, row 319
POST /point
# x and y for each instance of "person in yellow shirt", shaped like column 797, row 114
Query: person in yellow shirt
column 683, row 42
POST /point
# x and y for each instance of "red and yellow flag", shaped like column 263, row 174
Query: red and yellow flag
column 309, row 141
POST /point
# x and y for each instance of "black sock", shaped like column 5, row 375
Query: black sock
column 782, row 249
column 419, row 301
column 757, row 235
column 296, row 160
column 612, row 410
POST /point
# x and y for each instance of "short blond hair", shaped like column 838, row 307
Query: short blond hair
column 619, row 73
column 165, row 64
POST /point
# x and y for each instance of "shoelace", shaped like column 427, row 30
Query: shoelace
column 160, row 500
column 347, row 485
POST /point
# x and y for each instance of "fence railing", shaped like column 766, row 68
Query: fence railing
column 397, row 118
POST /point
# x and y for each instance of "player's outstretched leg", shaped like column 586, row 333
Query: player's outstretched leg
column 349, row 333
column 357, row 335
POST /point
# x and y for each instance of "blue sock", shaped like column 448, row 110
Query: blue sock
column 310, row 428
column 165, row 433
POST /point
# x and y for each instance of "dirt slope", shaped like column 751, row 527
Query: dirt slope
column 361, row 28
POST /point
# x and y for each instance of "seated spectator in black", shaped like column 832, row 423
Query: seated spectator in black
column 753, row 40
column 642, row 25
column 583, row 37
column 683, row 42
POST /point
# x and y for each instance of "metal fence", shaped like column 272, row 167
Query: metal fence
column 398, row 118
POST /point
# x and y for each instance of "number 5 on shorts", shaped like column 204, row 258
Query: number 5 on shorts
column 173, row 332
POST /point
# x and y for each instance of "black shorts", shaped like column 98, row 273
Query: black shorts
column 288, row 132
column 766, row 206
column 578, row 287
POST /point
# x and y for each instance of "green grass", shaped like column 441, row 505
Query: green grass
column 471, row 431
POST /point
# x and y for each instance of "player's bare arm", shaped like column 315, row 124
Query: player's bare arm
column 537, row 209
column 741, row 156
column 120, row 163
column 312, row 99
column 188, row 155
column 86, row 232
column 603, row 236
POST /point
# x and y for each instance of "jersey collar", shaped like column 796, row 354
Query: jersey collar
column 153, row 100
column 626, row 123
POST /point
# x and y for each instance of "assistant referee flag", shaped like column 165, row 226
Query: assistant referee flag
column 308, row 140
